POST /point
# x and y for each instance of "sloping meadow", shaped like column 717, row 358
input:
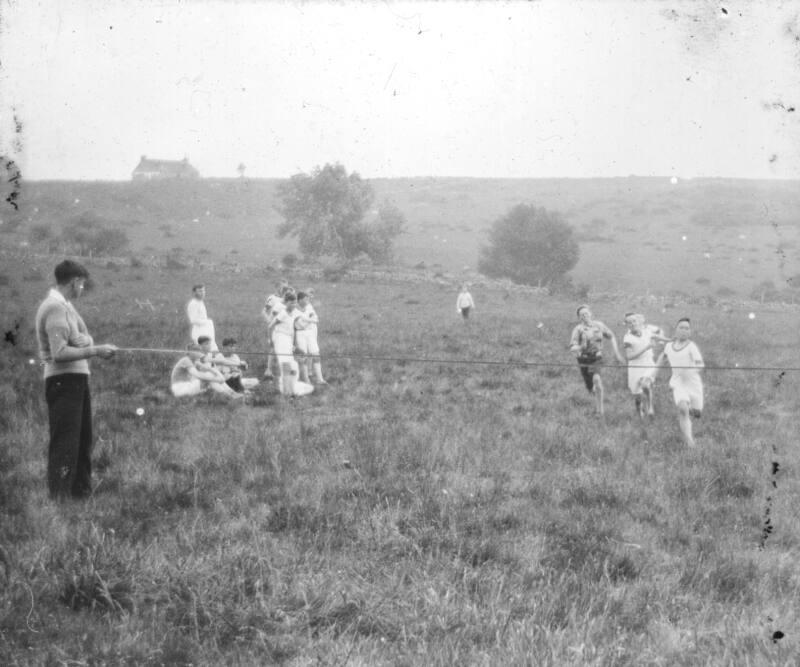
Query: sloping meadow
column 412, row 512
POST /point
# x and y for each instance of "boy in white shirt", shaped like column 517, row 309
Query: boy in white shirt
column 198, row 316
column 687, row 386
column 282, row 336
column 190, row 376
column 464, row 302
column 638, row 344
column 306, row 338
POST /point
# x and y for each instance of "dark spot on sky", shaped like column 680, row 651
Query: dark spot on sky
column 773, row 158
column 776, row 636
column 724, row 11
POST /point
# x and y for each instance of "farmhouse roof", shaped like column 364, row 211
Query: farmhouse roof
column 149, row 168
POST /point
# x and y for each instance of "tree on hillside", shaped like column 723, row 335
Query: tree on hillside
column 325, row 211
column 531, row 246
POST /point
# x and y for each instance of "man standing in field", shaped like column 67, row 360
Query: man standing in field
column 65, row 348
column 586, row 343
column 198, row 316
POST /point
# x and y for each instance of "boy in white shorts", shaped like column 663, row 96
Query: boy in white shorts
column 687, row 386
column 282, row 336
column 191, row 377
column 638, row 344
column 306, row 338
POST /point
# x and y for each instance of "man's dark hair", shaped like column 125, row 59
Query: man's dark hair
column 684, row 319
column 69, row 269
column 301, row 295
column 227, row 342
column 197, row 287
column 203, row 339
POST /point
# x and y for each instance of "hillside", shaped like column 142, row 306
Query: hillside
column 737, row 233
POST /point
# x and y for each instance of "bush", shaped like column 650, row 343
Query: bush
column 86, row 234
column 530, row 245
column 289, row 261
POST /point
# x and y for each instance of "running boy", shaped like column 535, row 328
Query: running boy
column 638, row 344
column 687, row 386
column 586, row 343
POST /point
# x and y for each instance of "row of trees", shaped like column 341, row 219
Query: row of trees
column 327, row 211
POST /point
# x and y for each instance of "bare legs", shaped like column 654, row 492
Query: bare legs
column 685, row 423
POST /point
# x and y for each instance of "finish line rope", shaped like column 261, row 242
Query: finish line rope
column 473, row 362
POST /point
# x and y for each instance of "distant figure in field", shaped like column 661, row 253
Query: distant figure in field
column 231, row 366
column 586, row 343
column 191, row 376
column 464, row 302
column 198, row 317
column 638, row 343
column 687, row 386
column 306, row 338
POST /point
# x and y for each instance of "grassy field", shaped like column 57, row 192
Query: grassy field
column 738, row 233
column 411, row 513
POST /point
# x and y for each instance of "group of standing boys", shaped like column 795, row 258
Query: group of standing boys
column 292, row 325
column 639, row 345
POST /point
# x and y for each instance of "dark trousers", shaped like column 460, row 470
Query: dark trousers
column 69, row 457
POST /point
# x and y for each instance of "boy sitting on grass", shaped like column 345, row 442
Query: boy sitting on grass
column 231, row 367
column 192, row 377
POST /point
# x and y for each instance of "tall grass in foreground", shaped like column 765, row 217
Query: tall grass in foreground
column 409, row 514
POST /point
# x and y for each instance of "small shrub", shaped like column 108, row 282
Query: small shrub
column 289, row 261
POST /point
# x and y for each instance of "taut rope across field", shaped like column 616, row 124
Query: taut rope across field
column 467, row 362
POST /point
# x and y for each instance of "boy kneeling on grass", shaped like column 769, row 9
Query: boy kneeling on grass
column 192, row 377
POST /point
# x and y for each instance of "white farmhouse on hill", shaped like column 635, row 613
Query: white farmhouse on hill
column 148, row 169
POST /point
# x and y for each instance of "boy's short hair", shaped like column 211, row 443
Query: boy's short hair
column 580, row 308
column 203, row 339
column 197, row 287
column 227, row 342
column 290, row 296
column 69, row 269
column 194, row 347
column 684, row 319
column 301, row 295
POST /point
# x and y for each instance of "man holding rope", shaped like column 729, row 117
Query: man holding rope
column 65, row 348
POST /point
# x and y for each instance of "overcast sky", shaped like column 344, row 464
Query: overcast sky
column 535, row 89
